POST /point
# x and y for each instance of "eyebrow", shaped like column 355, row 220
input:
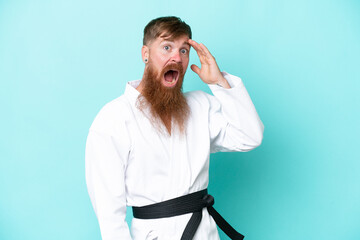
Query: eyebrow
column 187, row 44
column 166, row 40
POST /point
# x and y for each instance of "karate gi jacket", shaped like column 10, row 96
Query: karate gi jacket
column 131, row 163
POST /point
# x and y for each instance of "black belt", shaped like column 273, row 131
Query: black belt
column 191, row 203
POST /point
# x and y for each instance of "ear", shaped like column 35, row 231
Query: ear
column 145, row 53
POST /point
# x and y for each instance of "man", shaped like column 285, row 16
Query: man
column 152, row 144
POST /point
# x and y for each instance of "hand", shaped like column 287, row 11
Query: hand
column 209, row 72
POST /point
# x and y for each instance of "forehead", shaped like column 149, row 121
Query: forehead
column 182, row 40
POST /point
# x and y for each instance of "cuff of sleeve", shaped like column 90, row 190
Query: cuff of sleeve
column 234, row 82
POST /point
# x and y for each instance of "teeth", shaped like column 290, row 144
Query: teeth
column 174, row 80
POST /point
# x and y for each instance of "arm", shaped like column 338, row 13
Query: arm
column 234, row 124
column 105, row 160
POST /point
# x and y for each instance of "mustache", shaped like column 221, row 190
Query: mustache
column 173, row 66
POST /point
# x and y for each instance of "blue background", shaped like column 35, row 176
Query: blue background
column 62, row 60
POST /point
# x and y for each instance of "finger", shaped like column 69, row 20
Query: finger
column 196, row 46
column 200, row 52
column 195, row 68
column 206, row 50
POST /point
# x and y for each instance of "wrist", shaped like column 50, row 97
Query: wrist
column 223, row 83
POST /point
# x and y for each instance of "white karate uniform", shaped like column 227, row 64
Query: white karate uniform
column 128, row 163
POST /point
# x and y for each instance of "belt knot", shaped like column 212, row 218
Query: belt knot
column 208, row 200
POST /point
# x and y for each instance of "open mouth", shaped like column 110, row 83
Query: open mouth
column 171, row 77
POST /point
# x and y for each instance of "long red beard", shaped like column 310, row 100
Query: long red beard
column 167, row 105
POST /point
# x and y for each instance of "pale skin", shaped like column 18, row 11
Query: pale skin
column 209, row 72
column 165, row 51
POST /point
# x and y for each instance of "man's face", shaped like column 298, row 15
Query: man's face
column 161, row 86
column 169, row 58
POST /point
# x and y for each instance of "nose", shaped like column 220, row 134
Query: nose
column 176, row 57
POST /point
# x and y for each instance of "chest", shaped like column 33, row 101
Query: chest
column 174, row 163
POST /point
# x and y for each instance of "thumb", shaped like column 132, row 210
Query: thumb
column 195, row 68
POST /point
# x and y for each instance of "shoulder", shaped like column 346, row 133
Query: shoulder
column 111, row 115
column 197, row 97
column 200, row 98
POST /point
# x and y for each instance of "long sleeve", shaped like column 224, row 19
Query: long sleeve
column 107, row 149
column 233, row 121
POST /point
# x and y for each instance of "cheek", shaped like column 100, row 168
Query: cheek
column 185, row 63
column 159, row 59
column 163, row 59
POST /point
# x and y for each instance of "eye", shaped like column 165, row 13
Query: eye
column 166, row 48
column 183, row 51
